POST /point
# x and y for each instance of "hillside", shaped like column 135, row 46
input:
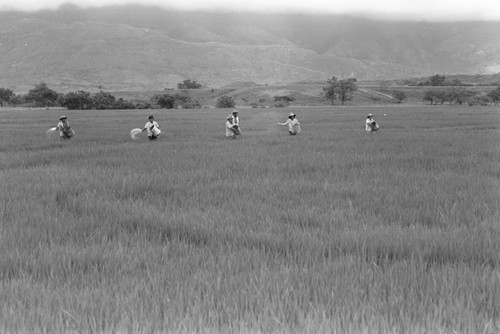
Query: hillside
column 135, row 48
column 373, row 93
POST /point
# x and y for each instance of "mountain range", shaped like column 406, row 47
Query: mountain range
column 136, row 48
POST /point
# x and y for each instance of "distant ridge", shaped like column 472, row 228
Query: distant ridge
column 136, row 48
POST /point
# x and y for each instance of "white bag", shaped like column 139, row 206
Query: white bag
column 155, row 131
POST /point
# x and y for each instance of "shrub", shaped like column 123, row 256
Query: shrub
column 225, row 102
column 166, row 101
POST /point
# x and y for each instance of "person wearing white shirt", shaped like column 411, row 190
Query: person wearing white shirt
column 231, row 130
column 236, row 122
column 152, row 128
column 293, row 124
column 371, row 125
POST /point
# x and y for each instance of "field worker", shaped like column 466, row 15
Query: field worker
column 371, row 125
column 293, row 124
column 153, row 128
column 231, row 131
column 65, row 131
column 236, row 122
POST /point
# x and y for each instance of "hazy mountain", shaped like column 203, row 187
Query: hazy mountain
column 138, row 48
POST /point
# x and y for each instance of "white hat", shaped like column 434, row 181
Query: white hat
column 230, row 117
column 291, row 114
column 370, row 115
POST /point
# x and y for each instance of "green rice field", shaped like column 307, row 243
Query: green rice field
column 334, row 230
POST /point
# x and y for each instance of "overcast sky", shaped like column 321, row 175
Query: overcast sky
column 429, row 10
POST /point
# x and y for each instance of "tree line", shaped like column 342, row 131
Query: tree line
column 440, row 80
column 43, row 96
column 460, row 95
column 342, row 89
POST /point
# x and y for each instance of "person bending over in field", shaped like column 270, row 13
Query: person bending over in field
column 371, row 125
column 236, row 122
column 231, row 129
column 152, row 128
column 65, row 130
column 293, row 124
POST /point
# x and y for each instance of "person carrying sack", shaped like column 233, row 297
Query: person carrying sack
column 65, row 131
column 231, row 129
column 371, row 125
column 152, row 128
column 236, row 123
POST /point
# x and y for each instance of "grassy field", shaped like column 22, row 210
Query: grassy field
column 331, row 231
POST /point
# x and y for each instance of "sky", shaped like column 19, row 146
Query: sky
column 419, row 10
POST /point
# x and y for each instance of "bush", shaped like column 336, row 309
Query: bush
column 188, row 84
column 282, row 101
column 166, row 101
column 123, row 104
column 225, row 102
column 143, row 105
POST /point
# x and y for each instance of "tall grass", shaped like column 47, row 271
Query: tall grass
column 331, row 231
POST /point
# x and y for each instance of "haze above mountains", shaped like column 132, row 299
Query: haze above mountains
column 136, row 48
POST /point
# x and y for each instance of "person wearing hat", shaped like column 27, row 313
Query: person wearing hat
column 236, row 122
column 153, row 128
column 231, row 129
column 65, row 130
column 371, row 125
column 293, row 124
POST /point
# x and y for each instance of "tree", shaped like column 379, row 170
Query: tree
column 5, row 95
column 459, row 95
column 42, row 96
column 437, row 80
column 478, row 99
column 429, row 95
column 346, row 89
column 18, row 99
column 399, row 95
column 225, row 102
column 494, row 95
column 166, row 101
column 80, row 100
column 188, row 84
column 435, row 96
column 441, row 96
column 103, row 100
column 330, row 91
